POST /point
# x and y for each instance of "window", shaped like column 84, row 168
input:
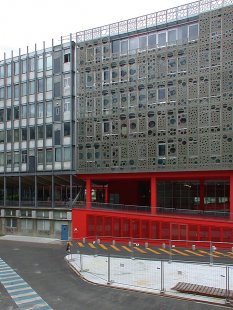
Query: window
column 23, row 111
column 89, row 79
column 106, row 75
column 40, row 132
column 133, row 45
column 49, row 156
column 152, row 40
column 8, row 159
column 67, row 58
column 27, row 213
column 11, row 222
column 171, row 37
column 67, row 154
column 8, row 70
column 32, row 133
column 58, row 154
column 32, row 64
column 124, row 47
column 106, row 127
column 1, row 115
column 40, row 110
column 193, row 32
column 40, row 86
column 162, row 39
column 2, row 93
column 24, row 157
column 49, row 109
column 40, row 156
column 23, row 66
column 162, row 94
column 162, row 149
column 16, row 135
column 16, row 159
column 9, row 136
column 26, row 224
column 49, row 131
column 16, row 91
column 143, row 42
column 2, row 75
column 23, row 89
column 66, row 105
column 57, row 89
column 40, row 63
column 31, row 109
column 2, row 155
column 66, row 129
column 16, row 112
column 133, row 125
column 8, row 114
column 48, row 62
column 43, row 225
column 24, row 134
column 16, row 68
column 49, row 84
column 8, row 92
column 31, row 87
column 116, row 47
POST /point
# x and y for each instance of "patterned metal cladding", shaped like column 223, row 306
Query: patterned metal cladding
column 166, row 107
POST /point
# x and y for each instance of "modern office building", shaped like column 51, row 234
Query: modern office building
column 135, row 118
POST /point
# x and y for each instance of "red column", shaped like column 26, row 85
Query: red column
column 202, row 194
column 153, row 197
column 231, row 197
column 106, row 194
column 88, row 193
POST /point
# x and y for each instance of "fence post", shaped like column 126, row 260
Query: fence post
column 227, row 285
column 211, row 254
column 109, row 270
column 81, row 262
column 162, row 278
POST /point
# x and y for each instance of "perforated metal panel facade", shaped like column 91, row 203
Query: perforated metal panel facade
column 159, row 99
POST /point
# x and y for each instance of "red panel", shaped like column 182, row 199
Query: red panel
column 128, row 191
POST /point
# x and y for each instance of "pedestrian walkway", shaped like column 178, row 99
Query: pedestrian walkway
column 29, row 239
column 19, row 290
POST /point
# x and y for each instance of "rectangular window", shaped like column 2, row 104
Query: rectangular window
column 116, row 47
column 124, row 47
column 2, row 156
column 23, row 66
column 32, row 64
column 142, row 43
column 89, row 79
column 2, row 75
column 66, row 129
column 40, row 156
column 23, row 89
column 193, row 32
column 32, row 133
column 16, row 91
column 106, row 128
column 133, row 45
column 40, row 132
column 16, row 135
column 152, row 40
column 8, row 67
column 31, row 87
column 2, row 93
column 16, row 68
column 24, row 134
column 67, row 154
column 8, row 92
column 66, row 105
column 162, row 39
column 1, row 115
column 40, row 110
column 49, row 156
column 24, row 157
column 57, row 89
column 66, row 58
column 49, row 62
column 49, row 84
column 23, row 111
column 162, row 149
column 58, row 154
column 16, row 112
column 171, row 37
column 40, row 63
column 162, row 94
column 16, row 159
column 106, row 75
column 8, row 159
column 40, row 85
column 11, row 222
column 31, row 109
column 49, row 109
column 183, row 34
column 9, row 136
column 49, row 131
column 8, row 114
column 43, row 225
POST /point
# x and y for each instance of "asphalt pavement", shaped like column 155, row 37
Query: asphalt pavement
column 43, row 267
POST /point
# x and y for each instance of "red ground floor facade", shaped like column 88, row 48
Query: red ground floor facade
column 151, row 206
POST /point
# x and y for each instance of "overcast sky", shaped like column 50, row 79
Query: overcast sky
column 26, row 22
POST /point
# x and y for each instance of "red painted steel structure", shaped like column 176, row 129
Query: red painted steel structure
column 150, row 225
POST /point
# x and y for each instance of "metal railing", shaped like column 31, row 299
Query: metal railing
column 148, row 21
